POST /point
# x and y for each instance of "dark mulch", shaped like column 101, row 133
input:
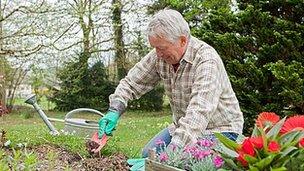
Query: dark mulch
column 57, row 158
column 64, row 159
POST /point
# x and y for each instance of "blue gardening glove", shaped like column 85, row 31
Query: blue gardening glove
column 137, row 164
column 108, row 123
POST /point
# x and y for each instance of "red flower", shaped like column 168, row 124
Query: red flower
column 241, row 158
column 247, row 147
column 273, row 146
column 266, row 118
column 293, row 123
column 301, row 143
column 257, row 142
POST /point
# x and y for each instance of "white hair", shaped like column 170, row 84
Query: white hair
column 169, row 24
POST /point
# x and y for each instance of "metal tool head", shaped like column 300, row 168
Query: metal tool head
column 31, row 99
column 100, row 141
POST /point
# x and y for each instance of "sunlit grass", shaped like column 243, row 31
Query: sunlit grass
column 134, row 130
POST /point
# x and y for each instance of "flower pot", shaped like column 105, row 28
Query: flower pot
column 152, row 165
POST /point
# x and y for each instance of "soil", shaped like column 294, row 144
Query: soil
column 64, row 159
column 57, row 158
column 91, row 145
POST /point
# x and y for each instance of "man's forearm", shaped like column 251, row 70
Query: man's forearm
column 118, row 106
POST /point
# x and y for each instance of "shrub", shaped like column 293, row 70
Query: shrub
column 83, row 86
column 151, row 101
column 3, row 110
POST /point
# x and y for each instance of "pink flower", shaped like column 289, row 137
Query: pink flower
column 241, row 158
column 160, row 142
column 257, row 142
column 293, row 123
column 301, row 143
column 267, row 118
column 190, row 149
column 248, row 147
column 200, row 154
column 173, row 147
column 163, row 157
column 205, row 143
column 218, row 161
column 273, row 146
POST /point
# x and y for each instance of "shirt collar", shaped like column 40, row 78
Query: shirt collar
column 187, row 55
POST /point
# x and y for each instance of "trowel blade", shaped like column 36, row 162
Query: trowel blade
column 102, row 141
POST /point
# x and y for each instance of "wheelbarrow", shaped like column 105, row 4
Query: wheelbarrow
column 75, row 126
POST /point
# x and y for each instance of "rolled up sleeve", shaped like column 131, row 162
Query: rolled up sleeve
column 139, row 80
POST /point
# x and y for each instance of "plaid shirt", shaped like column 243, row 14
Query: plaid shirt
column 200, row 93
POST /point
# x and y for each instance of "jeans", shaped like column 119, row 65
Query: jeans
column 166, row 137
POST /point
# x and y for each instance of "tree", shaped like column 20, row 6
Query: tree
column 120, row 56
column 83, row 87
column 26, row 36
column 261, row 45
column 14, row 79
column 263, row 54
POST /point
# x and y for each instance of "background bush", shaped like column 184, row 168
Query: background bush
column 151, row 101
column 262, row 46
column 83, row 86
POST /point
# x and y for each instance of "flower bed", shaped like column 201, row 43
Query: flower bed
column 274, row 145
column 199, row 156
column 152, row 165
column 271, row 146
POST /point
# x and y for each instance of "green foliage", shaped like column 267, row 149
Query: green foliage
column 130, row 136
column 20, row 159
column 151, row 101
column 83, row 86
column 262, row 47
column 296, row 162
column 262, row 157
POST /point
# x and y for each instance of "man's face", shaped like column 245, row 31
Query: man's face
column 169, row 52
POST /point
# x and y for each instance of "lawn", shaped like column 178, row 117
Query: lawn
column 135, row 128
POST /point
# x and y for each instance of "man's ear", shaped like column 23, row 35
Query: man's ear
column 183, row 40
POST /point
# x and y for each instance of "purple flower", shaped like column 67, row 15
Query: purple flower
column 163, row 157
column 200, row 154
column 205, row 143
column 218, row 161
column 190, row 149
column 160, row 142
column 172, row 146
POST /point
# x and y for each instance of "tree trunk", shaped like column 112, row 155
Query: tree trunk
column 120, row 56
column 2, row 62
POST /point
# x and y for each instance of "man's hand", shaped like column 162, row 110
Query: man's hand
column 108, row 123
column 137, row 164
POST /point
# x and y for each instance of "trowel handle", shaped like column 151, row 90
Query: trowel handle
column 93, row 111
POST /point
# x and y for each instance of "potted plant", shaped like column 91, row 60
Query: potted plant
column 271, row 146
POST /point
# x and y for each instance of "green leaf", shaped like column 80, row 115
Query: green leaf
column 255, row 132
column 251, row 159
column 251, row 168
column 240, row 139
column 288, row 150
column 288, row 137
column 226, row 141
column 231, row 163
column 262, row 164
column 273, row 132
column 224, row 150
column 278, row 169
column 295, row 140
column 221, row 169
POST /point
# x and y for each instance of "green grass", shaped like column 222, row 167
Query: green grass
column 134, row 130
column 44, row 103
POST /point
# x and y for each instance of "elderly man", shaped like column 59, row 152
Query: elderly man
column 195, row 80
